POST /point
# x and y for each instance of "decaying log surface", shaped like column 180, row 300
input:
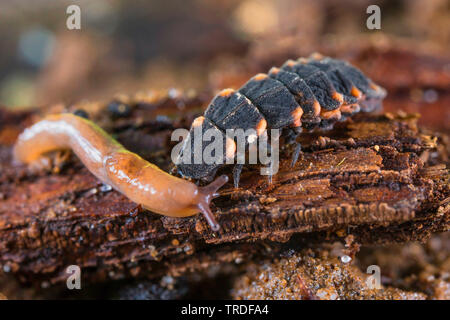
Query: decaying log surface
column 377, row 177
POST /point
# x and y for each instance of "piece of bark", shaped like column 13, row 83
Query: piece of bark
column 378, row 178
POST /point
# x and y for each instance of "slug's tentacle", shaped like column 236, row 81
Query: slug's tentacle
column 128, row 173
column 205, row 195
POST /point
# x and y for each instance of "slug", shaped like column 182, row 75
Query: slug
column 141, row 181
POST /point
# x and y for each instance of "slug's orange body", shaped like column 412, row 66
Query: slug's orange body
column 139, row 180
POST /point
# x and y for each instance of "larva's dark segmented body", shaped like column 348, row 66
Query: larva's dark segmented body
column 309, row 93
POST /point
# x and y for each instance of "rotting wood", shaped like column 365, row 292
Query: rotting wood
column 376, row 177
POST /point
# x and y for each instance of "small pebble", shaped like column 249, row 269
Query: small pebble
column 105, row 188
column 166, row 280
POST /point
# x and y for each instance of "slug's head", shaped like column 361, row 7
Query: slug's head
column 204, row 150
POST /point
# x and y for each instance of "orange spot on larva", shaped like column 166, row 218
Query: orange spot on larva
column 356, row 92
column 316, row 56
column 317, row 108
column 198, row 122
column 338, row 97
column 226, row 92
column 260, row 76
column 374, row 86
column 333, row 114
column 302, row 60
column 290, row 63
column 297, row 116
column 274, row 70
column 261, row 126
column 230, row 148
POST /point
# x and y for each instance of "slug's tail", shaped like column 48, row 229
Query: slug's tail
column 206, row 194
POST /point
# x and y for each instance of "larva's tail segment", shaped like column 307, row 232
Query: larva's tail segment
column 206, row 194
column 351, row 78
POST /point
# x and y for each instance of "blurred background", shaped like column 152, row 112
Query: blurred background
column 196, row 47
column 128, row 46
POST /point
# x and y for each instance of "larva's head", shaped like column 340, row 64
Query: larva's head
column 204, row 150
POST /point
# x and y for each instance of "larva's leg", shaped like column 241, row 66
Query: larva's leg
column 296, row 154
column 292, row 138
column 327, row 124
column 237, row 174
column 291, row 135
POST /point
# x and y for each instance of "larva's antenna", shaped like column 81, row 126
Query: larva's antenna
column 206, row 194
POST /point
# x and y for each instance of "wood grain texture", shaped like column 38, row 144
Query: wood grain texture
column 377, row 177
